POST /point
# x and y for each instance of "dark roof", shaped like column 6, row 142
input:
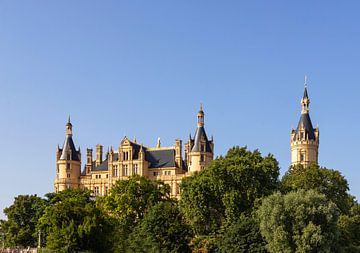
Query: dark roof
column 306, row 122
column 199, row 135
column 160, row 158
column 305, row 93
column 102, row 167
column 69, row 146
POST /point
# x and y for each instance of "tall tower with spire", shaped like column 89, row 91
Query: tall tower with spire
column 68, row 163
column 304, row 139
column 199, row 151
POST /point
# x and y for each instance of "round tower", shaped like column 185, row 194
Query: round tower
column 68, row 163
column 304, row 140
column 200, row 150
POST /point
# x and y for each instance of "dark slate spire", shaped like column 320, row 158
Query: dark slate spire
column 69, row 151
column 200, row 134
column 305, row 126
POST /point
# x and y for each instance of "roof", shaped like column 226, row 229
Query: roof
column 161, row 158
column 69, row 146
column 305, row 121
column 199, row 135
column 305, row 93
column 101, row 167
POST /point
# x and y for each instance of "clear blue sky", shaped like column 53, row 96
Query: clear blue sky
column 140, row 68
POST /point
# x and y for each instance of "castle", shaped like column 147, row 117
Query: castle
column 162, row 163
column 131, row 158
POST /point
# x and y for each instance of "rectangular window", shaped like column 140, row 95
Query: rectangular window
column 68, row 166
column 136, row 172
column 106, row 190
column 115, row 173
column 202, row 158
column 302, row 157
column 156, row 173
column 202, row 148
column 167, row 173
column 68, row 175
column 125, row 170
column 96, row 190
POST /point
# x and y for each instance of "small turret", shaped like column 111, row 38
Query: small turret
column 304, row 139
column 199, row 151
column 68, row 162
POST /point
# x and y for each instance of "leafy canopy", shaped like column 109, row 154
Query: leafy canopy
column 326, row 181
column 163, row 229
column 22, row 217
column 227, row 188
column 73, row 223
column 301, row 221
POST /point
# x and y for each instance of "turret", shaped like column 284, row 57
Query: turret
column 199, row 151
column 68, row 163
column 304, row 139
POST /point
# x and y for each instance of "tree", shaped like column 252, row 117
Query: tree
column 22, row 218
column 242, row 236
column 128, row 202
column 161, row 230
column 349, row 225
column 72, row 223
column 226, row 188
column 326, row 181
column 301, row 221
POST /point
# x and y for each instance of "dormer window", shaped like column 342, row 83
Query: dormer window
column 68, row 156
column 202, row 147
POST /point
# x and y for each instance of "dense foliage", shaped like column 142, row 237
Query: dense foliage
column 227, row 188
column 301, row 221
column 237, row 204
column 71, row 223
column 23, row 215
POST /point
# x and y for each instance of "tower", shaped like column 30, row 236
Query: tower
column 68, row 163
column 305, row 139
column 199, row 152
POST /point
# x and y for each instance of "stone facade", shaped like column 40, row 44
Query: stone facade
column 131, row 158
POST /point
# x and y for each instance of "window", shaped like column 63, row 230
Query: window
column 106, row 190
column 167, row 173
column 156, row 173
column 302, row 157
column 126, row 156
column 107, row 175
column 68, row 166
column 202, row 148
column 202, row 158
column 96, row 190
column 135, row 172
column 125, row 170
column 68, row 175
column 115, row 173
column 67, row 156
column 57, row 169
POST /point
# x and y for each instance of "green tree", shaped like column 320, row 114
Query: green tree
column 242, row 236
column 326, row 181
column 22, row 218
column 163, row 229
column 301, row 221
column 228, row 187
column 128, row 202
column 72, row 223
column 349, row 225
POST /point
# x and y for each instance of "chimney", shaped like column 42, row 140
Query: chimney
column 99, row 153
column 178, row 153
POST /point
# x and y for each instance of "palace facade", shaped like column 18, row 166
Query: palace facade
column 131, row 158
column 168, row 164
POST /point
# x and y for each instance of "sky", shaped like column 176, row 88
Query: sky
column 141, row 68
